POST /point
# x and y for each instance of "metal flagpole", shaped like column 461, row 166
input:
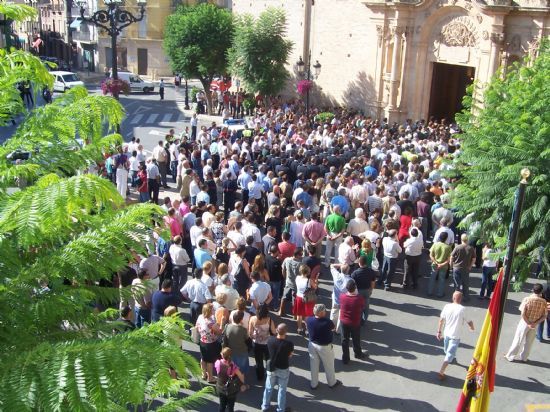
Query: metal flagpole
column 513, row 232
column 512, row 241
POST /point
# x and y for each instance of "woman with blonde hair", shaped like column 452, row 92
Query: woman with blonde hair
column 209, row 344
column 259, row 266
column 367, row 251
column 273, row 218
column 221, row 313
column 223, row 252
column 206, row 278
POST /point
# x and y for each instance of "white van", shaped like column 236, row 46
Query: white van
column 137, row 84
column 65, row 81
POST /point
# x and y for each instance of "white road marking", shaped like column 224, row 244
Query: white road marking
column 135, row 119
column 166, row 118
column 152, row 117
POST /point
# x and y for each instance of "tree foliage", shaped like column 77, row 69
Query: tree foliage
column 260, row 52
column 509, row 132
column 196, row 40
column 60, row 235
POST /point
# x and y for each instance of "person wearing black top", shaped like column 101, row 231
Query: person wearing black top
column 275, row 269
column 229, row 192
column 162, row 299
column 365, row 279
column 250, row 251
column 125, row 321
column 320, row 330
column 278, row 372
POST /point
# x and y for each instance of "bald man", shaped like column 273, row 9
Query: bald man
column 452, row 319
column 278, row 371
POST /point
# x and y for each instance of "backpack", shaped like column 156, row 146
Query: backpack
column 228, row 385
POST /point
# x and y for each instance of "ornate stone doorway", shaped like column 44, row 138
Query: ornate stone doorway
column 449, row 82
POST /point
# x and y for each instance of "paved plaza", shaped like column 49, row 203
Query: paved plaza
column 401, row 372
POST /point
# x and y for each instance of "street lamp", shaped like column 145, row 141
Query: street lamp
column 186, row 107
column 308, row 75
column 113, row 20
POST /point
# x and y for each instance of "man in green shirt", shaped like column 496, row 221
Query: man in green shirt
column 335, row 225
column 440, row 254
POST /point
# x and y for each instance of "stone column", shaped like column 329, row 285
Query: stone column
column 497, row 39
column 397, row 33
column 381, row 51
column 307, row 31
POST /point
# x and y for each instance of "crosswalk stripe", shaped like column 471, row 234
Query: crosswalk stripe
column 152, row 117
column 135, row 119
column 166, row 118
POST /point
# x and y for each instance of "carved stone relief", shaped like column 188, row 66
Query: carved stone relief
column 459, row 32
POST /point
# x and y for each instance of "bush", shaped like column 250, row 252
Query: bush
column 325, row 117
column 115, row 87
column 249, row 103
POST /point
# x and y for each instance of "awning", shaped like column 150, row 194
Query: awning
column 76, row 23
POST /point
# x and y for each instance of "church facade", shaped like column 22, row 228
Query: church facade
column 406, row 58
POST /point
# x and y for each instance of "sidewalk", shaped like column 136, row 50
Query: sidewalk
column 179, row 93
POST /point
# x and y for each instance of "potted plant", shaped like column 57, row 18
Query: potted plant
column 115, row 86
column 304, row 86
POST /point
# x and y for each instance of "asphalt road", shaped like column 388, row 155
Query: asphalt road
column 147, row 117
column 405, row 356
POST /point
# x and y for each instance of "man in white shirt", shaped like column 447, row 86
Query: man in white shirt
column 452, row 318
column 259, row 292
column 346, row 252
column 391, row 247
column 250, row 229
column 154, row 265
column 255, row 190
column 340, row 277
column 236, row 235
column 227, row 289
column 358, row 224
column 180, row 259
column 196, row 231
column 160, row 155
column 445, row 228
column 413, row 255
column 197, row 293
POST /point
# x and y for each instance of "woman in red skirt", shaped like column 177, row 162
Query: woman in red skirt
column 302, row 308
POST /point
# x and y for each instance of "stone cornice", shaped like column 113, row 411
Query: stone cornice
column 487, row 6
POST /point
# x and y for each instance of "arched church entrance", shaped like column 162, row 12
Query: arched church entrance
column 448, row 87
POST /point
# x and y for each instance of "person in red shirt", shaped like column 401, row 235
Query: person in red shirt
column 351, row 307
column 286, row 248
column 405, row 222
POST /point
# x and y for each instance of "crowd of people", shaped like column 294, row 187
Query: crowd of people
column 261, row 216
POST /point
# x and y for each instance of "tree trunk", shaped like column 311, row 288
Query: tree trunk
column 206, row 86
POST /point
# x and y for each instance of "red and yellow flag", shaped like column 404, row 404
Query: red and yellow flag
column 480, row 379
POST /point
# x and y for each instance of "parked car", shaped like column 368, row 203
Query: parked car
column 137, row 84
column 235, row 127
column 65, row 81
